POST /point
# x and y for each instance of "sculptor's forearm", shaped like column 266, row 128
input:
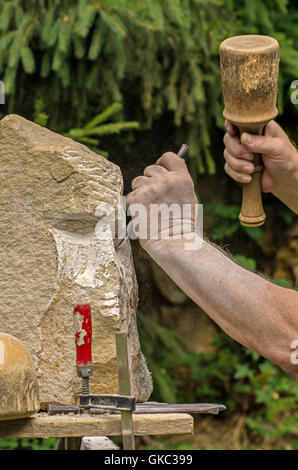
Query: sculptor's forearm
column 288, row 192
column 255, row 312
column 289, row 196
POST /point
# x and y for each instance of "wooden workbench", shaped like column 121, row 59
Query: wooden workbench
column 42, row 425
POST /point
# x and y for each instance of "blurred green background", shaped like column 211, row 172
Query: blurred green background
column 132, row 79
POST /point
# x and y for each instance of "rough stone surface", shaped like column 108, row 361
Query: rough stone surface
column 57, row 251
column 98, row 443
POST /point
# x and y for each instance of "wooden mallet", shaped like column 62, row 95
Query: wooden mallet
column 249, row 70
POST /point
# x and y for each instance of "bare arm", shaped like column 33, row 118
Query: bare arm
column 252, row 310
column 255, row 312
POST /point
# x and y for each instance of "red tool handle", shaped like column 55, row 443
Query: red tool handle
column 83, row 334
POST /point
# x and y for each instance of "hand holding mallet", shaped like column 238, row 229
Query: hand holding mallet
column 249, row 70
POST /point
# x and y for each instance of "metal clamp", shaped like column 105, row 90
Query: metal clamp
column 111, row 402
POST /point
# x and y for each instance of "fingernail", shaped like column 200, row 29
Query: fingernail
column 246, row 179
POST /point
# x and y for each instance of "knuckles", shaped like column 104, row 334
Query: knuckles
column 159, row 188
column 165, row 156
column 168, row 158
column 152, row 169
column 135, row 181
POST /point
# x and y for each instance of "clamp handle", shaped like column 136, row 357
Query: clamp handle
column 83, row 334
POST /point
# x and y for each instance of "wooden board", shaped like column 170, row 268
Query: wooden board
column 44, row 426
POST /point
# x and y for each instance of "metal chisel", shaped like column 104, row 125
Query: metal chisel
column 124, row 389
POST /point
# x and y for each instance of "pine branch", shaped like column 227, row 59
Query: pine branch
column 65, row 30
column 57, row 59
column 79, row 46
column 27, row 60
column 6, row 39
column 6, row 16
column 106, row 129
column 9, row 79
column 113, row 45
column 86, row 19
column 52, row 36
column 64, row 74
column 48, row 24
column 18, row 14
column 15, row 49
column 156, row 10
column 114, row 23
column 104, row 115
column 97, row 40
column 92, row 78
column 45, row 64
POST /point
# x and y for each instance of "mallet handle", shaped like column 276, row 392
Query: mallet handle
column 252, row 212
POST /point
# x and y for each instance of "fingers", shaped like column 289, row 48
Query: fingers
column 139, row 181
column 235, row 148
column 149, row 172
column 171, row 162
column 238, row 159
column 239, row 165
column 264, row 144
column 240, row 177
column 133, row 197
column 154, row 170
column 272, row 142
column 232, row 130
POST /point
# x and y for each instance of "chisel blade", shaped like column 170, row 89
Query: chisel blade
column 124, row 389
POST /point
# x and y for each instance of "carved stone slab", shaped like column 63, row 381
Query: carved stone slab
column 57, row 251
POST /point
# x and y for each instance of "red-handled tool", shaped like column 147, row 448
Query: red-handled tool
column 83, row 340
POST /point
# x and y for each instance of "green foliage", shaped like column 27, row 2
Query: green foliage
column 248, row 263
column 226, row 223
column 40, row 117
column 152, row 333
column 161, row 57
column 98, row 126
column 28, row 444
column 177, row 446
column 230, row 374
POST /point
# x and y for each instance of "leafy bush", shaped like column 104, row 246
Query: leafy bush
column 28, row 444
column 160, row 58
column 230, row 374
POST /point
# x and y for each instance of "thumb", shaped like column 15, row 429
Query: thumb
column 268, row 182
column 263, row 144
